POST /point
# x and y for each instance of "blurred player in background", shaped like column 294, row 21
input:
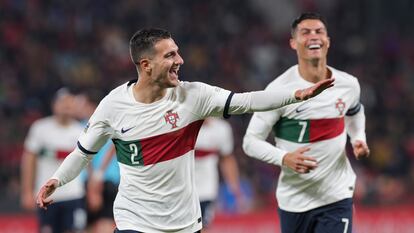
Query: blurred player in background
column 214, row 146
column 102, row 176
column 48, row 142
column 154, row 121
column 317, row 182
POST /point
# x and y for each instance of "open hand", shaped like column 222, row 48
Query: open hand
column 361, row 149
column 298, row 162
column 46, row 190
column 314, row 90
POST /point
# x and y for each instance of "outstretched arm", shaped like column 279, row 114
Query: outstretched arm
column 268, row 100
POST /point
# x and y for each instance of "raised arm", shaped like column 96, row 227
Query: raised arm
column 267, row 100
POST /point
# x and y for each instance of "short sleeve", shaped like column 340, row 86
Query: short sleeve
column 97, row 131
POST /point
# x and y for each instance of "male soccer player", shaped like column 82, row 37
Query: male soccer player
column 317, row 182
column 48, row 142
column 214, row 147
column 153, row 122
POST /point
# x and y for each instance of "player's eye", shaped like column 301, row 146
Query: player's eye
column 170, row 54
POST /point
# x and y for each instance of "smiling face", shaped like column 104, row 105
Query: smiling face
column 310, row 40
column 164, row 63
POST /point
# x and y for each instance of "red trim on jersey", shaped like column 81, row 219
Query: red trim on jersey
column 170, row 145
column 199, row 153
column 61, row 154
column 323, row 129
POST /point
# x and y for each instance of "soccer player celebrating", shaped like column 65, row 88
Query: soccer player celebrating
column 153, row 122
column 317, row 182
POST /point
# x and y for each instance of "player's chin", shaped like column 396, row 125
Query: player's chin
column 173, row 80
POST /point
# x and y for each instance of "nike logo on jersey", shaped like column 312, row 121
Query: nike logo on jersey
column 126, row 130
column 299, row 109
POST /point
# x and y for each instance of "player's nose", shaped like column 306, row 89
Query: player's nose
column 179, row 60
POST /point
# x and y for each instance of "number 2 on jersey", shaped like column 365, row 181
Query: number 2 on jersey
column 134, row 153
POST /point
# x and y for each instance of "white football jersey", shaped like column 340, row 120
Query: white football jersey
column 52, row 142
column 214, row 139
column 155, row 151
column 317, row 123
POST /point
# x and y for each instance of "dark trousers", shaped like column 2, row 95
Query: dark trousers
column 332, row 218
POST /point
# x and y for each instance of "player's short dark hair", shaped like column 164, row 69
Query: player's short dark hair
column 304, row 16
column 63, row 91
column 143, row 42
column 94, row 96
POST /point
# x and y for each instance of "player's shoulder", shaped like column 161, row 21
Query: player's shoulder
column 343, row 76
column 50, row 122
column 186, row 85
column 118, row 94
column 42, row 122
column 286, row 78
column 195, row 88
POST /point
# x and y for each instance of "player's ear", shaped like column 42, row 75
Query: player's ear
column 329, row 42
column 145, row 65
column 292, row 43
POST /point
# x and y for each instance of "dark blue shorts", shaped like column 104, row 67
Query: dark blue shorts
column 332, row 218
column 63, row 216
column 207, row 212
column 106, row 211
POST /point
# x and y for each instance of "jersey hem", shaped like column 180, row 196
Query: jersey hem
column 314, row 206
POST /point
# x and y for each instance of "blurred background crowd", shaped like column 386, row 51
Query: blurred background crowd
column 238, row 45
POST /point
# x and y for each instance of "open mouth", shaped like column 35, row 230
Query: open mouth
column 314, row 46
column 174, row 71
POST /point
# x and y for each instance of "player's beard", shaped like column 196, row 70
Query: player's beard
column 167, row 80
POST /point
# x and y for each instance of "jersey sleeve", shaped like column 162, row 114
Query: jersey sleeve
column 355, row 105
column 33, row 141
column 97, row 131
column 208, row 100
column 355, row 117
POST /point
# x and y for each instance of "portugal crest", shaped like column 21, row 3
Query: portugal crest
column 171, row 118
column 340, row 105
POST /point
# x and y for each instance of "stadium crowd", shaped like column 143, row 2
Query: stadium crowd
column 238, row 45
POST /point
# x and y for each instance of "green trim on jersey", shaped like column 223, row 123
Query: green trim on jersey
column 292, row 130
column 129, row 152
column 305, row 131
